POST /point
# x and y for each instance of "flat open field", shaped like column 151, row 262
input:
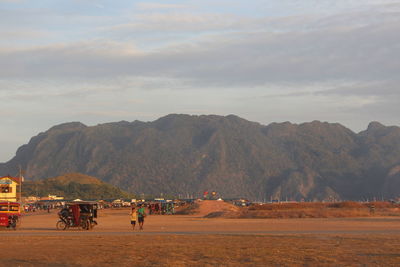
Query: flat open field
column 190, row 240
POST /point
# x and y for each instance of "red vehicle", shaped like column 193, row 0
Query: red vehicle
column 10, row 213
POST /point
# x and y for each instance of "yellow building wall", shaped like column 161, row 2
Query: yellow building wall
column 11, row 196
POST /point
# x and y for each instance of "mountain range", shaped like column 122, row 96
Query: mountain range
column 187, row 155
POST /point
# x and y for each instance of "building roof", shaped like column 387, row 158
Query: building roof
column 15, row 179
column 81, row 202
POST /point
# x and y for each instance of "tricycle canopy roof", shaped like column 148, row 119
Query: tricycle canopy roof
column 9, row 203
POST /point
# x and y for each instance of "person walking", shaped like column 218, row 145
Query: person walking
column 141, row 214
column 134, row 216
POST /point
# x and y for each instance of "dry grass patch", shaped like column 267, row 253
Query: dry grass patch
column 215, row 209
column 318, row 210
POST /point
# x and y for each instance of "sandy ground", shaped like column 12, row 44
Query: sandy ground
column 191, row 240
column 117, row 221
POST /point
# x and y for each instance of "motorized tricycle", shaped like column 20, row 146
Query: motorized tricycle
column 78, row 214
column 10, row 214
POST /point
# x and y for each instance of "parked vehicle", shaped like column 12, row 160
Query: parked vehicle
column 79, row 214
column 10, row 214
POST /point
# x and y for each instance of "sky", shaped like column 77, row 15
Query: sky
column 98, row 61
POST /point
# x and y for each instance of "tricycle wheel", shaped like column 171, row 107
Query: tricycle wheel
column 85, row 225
column 61, row 225
column 13, row 222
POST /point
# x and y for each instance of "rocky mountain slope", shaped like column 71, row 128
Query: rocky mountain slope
column 182, row 154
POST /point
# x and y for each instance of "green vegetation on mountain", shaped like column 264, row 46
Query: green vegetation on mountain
column 187, row 155
column 72, row 186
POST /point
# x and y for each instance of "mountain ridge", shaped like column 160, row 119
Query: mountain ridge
column 189, row 154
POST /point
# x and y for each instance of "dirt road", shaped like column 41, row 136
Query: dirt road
column 194, row 241
column 117, row 221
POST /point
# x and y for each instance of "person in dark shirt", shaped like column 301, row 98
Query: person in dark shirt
column 141, row 214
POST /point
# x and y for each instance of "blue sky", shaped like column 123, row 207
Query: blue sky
column 266, row 61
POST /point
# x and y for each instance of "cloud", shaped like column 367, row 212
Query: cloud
column 237, row 59
column 358, row 47
column 152, row 6
column 176, row 22
column 12, row 1
column 390, row 88
column 22, row 34
column 85, row 59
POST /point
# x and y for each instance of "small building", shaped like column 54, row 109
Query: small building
column 52, row 197
column 8, row 188
column 32, row 199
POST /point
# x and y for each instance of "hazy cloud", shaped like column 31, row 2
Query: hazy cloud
column 387, row 89
column 11, row 1
column 152, row 6
column 237, row 59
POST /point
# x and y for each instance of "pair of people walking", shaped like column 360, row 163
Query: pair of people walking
column 137, row 215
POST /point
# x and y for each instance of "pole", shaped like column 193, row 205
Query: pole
column 20, row 184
